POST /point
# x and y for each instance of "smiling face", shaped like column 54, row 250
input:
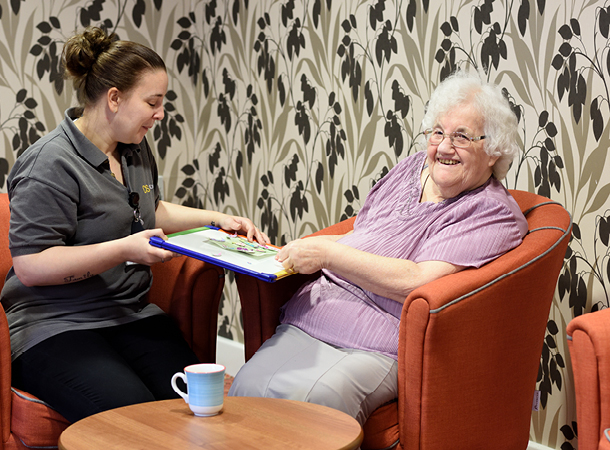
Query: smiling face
column 455, row 170
column 138, row 109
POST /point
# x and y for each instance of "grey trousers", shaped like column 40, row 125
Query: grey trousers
column 293, row 365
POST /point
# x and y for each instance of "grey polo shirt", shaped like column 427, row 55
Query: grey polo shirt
column 62, row 192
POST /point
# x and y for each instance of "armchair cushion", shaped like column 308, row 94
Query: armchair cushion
column 34, row 423
column 381, row 429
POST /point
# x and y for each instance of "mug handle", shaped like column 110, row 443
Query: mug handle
column 176, row 388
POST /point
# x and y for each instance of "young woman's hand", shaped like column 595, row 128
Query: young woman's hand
column 140, row 251
column 243, row 226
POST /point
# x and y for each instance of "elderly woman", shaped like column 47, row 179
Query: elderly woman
column 433, row 214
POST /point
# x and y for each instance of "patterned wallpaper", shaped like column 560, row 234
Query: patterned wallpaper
column 289, row 111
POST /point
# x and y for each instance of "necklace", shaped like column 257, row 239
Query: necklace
column 423, row 186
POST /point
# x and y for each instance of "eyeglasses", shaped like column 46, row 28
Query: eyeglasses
column 458, row 138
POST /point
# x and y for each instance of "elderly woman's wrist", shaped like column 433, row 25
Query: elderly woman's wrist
column 327, row 256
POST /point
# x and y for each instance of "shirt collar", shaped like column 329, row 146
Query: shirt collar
column 84, row 147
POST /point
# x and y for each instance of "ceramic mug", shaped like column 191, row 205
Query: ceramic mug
column 205, row 388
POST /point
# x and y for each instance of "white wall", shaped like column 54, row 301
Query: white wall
column 230, row 354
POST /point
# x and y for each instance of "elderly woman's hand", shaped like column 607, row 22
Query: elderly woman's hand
column 306, row 255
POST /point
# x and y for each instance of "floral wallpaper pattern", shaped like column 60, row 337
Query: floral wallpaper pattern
column 289, row 111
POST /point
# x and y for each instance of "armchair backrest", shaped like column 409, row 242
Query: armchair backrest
column 470, row 343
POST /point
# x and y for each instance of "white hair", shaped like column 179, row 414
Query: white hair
column 500, row 122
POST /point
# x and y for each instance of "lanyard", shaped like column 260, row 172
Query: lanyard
column 134, row 202
column 138, row 224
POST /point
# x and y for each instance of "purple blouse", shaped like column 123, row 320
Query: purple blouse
column 468, row 230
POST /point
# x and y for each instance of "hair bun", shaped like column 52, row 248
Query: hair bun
column 97, row 61
column 83, row 50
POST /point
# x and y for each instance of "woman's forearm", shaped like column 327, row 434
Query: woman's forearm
column 389, row 277
column 61, row 265
column 172, row 218
column 68, row 264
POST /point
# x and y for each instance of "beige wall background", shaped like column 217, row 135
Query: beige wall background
column 289, row 111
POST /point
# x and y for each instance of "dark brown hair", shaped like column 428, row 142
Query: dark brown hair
column 97, row 62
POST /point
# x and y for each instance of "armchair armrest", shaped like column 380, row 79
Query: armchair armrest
column 454, row 353
column 261, row 301
column 260, row 306
column 589, row 344
column 189, row 291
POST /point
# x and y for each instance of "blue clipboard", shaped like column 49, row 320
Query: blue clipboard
column 201, row 243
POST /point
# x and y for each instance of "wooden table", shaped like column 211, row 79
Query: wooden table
column 244, row 423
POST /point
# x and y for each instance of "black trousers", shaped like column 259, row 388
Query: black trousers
column 80, row 373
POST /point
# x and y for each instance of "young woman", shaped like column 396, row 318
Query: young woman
column 84, row 204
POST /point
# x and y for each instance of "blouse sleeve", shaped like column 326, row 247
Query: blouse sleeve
column 473, row 234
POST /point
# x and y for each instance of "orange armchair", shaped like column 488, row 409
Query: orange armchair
column 589, row 345
column 469, row 343
column 185, row 288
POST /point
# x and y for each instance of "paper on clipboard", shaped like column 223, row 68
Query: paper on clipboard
column 231, row 252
